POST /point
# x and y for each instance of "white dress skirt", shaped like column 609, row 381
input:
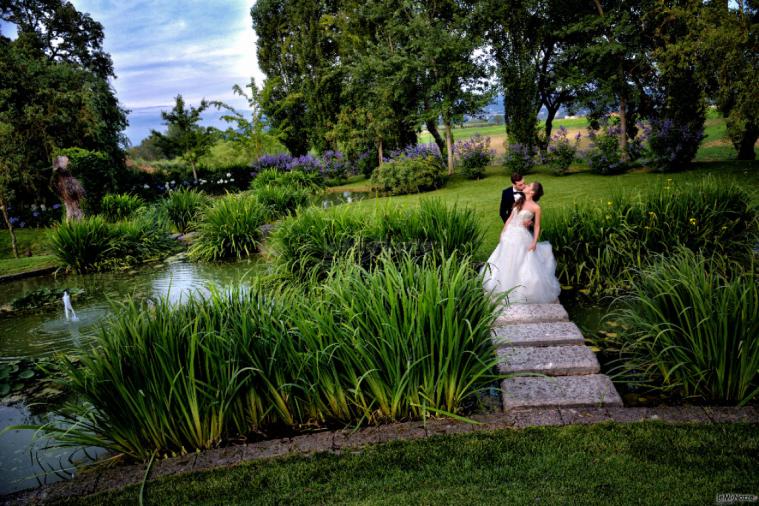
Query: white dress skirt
column 531, row 274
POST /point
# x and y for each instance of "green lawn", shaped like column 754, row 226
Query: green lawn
column 638, row 463
column 24, row 264
column 484, row 195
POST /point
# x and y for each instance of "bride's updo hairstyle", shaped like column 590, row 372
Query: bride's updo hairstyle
column 538, row 193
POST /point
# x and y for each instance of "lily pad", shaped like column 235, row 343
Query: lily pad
column 26, row 374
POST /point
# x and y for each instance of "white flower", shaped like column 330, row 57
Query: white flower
column 42, row 206
column 146, row 186
column 229, row 175
column 34, row 207
column 232, row 179
column 173, row 182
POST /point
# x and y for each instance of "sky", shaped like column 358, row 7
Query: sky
column 162, row 48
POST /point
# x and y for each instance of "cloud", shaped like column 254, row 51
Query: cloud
column 198, row 49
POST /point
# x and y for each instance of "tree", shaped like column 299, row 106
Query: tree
column 188, row 138
column 62, row 33
column 11, row 174
column 248, row 135
column 729, row 40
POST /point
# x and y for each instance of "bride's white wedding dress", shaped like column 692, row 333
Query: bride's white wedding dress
column 532, row 274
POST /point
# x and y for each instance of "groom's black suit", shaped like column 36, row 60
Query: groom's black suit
column 507, row 202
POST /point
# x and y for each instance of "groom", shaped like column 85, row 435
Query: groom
column 510, row 195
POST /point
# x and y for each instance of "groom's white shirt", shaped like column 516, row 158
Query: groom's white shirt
column 517, row 195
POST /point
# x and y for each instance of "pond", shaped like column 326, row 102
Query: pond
column 330, row 199
column 25, row 463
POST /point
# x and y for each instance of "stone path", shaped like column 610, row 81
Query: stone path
column 552, row 366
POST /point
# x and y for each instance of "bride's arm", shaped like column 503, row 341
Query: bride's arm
column 536, row 230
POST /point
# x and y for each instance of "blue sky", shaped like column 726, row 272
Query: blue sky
column 161, row 48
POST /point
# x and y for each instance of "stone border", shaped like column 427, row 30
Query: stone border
column 42, row 271
column 336, row 442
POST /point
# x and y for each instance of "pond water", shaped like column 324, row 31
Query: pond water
column 330, row 199
column 24, row 462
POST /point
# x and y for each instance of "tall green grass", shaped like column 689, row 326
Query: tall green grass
column 690, row 325
column 230, row 228
column 93, row 244
column 399, row 341
column 184, row 208
column 121, row 206
column 599, row 247
column 310, row 181
column 309, row 244
column 282, row 200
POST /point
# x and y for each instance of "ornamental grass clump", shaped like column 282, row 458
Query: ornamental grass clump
column 120, row 206
column 184, row 208
column 307, row 245
column 400, row 341
column 230, row 228
column 599, row 246
column 689, row 327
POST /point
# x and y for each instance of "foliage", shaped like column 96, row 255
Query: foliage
column 118, row 207
column 562, row 152
column 335, row 165
column 597, row 248
column 474, row 155
column 184, row 207
column 409, row 175
column 604, row 156
column 282, row 199
column 673, row 145
column 93, row 244
column 42, row 297
column 311, row 181
column 690, row 327
column 230, row 228
column 308, row 245
column 519, row 159
column 184, row 135
column 178, row 377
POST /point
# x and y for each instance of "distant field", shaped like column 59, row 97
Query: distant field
column 497, row 133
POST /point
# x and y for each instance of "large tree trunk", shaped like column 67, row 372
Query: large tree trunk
column 449, row 145
column 746, row 147
column 379, row 152
column 432, row 129
column 549, row 126
column 8, row 223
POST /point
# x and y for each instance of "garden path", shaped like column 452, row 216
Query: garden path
column 551, row 364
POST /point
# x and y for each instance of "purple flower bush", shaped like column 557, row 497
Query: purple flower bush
column 335, row 165
column 474, row 155
column 519, row 159
column 673, row 145
column 416, row 151
column 279, row 162
column 562, row 151
column 604, row 156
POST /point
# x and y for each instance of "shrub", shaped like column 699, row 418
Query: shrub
column 309, row 244
column 690, row 328
column 93, row 244
column 311, row 181
column 598, row 247
column 184, row 207
column 519, row 159
column 673, row 145
column 306, row 163
column 278, row 162
column 417, row 151
column 230, row 228
column 398, row 342
column 117, row 207
column 335, row 165
column 96, row 173
column 474, row 155
column 281, row 200
column 409, row 175
column 561, row 151
column 604, row 156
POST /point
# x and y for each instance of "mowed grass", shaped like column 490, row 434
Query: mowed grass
column 638, row 463
column 484, row 195
column 25, row 264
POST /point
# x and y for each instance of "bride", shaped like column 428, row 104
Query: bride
column 520, row 261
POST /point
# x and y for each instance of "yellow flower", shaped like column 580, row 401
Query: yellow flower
column 724, row 227
column 609, row 202
column 692, row 221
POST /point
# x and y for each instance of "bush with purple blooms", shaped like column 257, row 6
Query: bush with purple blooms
column 672, row 145
column 335, row 165
column 604, row 156
column 519, row 159
column 409, row 175
column 35, row 215
column 474, row 155
column 562, row 151
column 279, row 162
column 416, row 151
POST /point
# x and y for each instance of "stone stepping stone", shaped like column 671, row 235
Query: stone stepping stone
column 538, row 334
column 550, row 360
column 532, row 313
column 559, row 392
